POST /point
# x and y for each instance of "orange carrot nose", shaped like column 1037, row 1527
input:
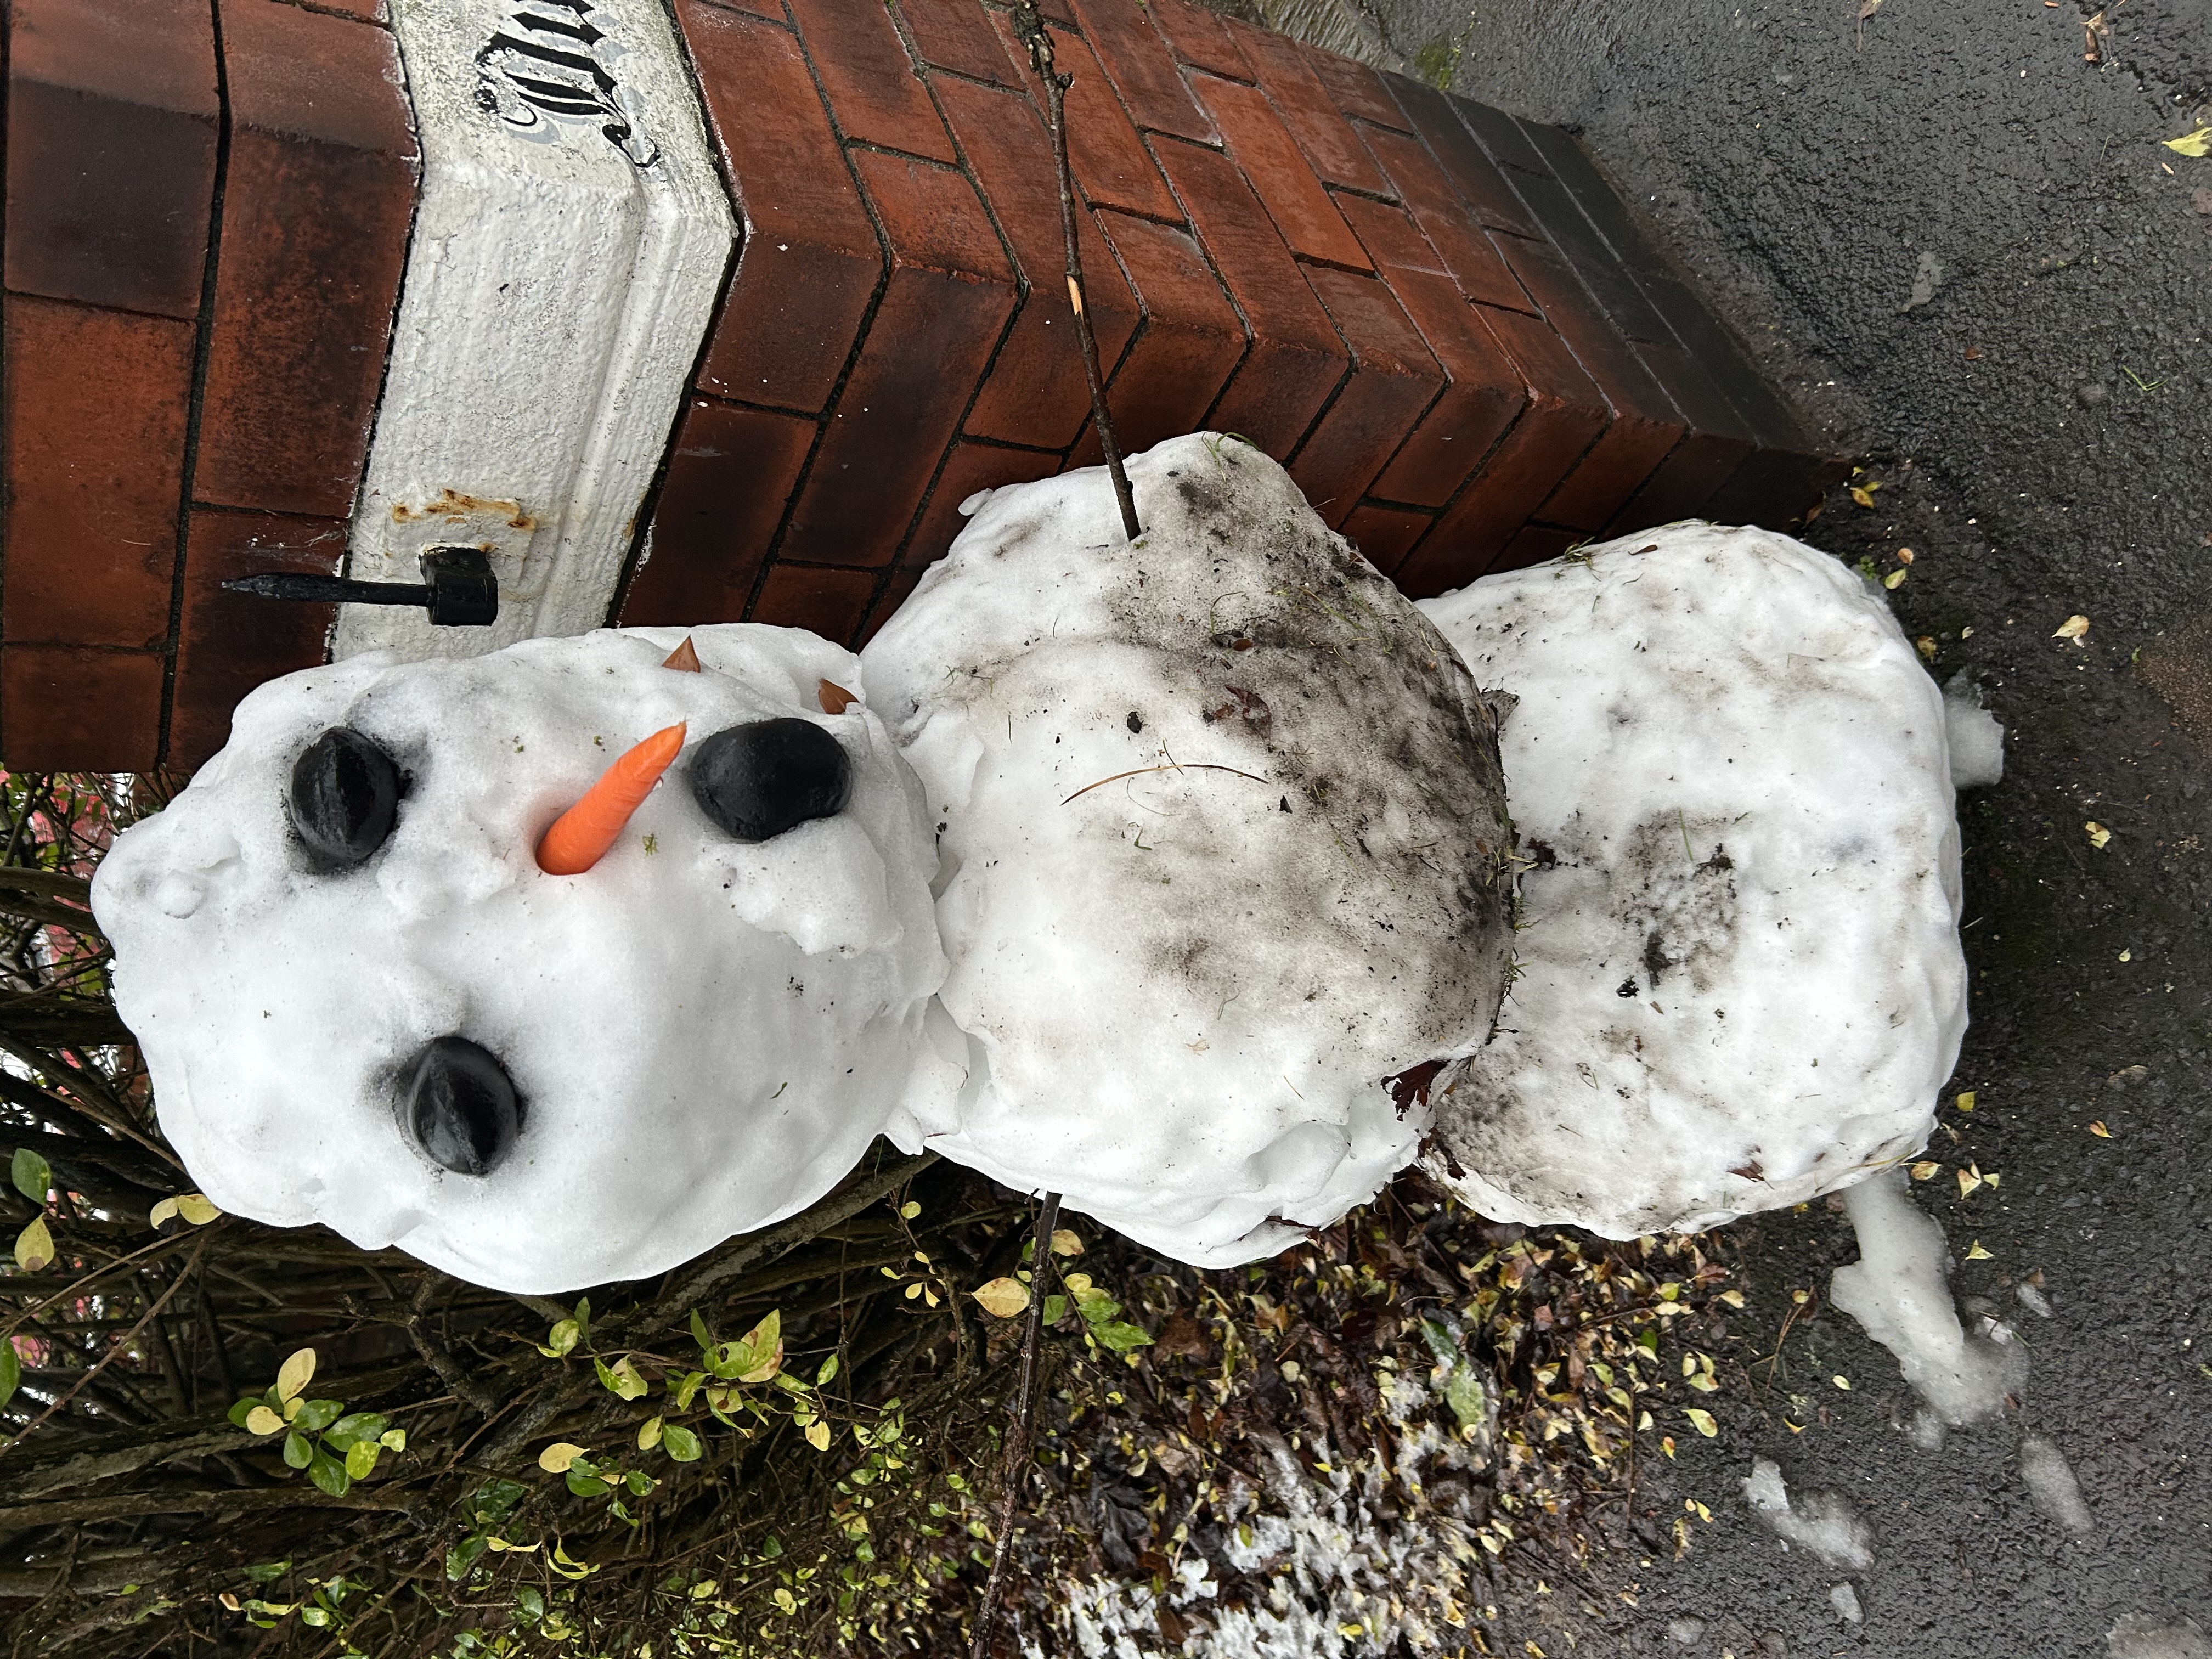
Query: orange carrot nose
column 579, row 837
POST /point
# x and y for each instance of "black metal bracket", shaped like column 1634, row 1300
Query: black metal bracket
column 458, row 588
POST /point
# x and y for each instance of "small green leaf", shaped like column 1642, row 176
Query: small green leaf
column 530, row 1603
column 827, row 1374
column 360, row 1459
column 316, row 1415
column 700, row 1334
column 393, row 1440
column 586, row 1485
column 1122, row 1337
column 298, row 1453
column 462, row 1556
column 357, row 1426
column 638, row 1481
column 1056, row 1305
column 266, row 1571
column 240, row 1412
column 35, row 1246
column 562, row 1339
column 683, row 1390
column 583, row 1317
column 683, row 1445
column 11, row 1370
column 32, row 1175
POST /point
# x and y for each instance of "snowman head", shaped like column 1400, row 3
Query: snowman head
column 366, row 998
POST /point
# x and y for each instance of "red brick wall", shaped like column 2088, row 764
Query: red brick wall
column 1442, row 320
column 196, row 306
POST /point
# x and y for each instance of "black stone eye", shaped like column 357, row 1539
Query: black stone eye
column 760, row 778
column 461, row 1107
column 344, row 798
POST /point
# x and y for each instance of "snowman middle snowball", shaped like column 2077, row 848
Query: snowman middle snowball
column 1223, row 846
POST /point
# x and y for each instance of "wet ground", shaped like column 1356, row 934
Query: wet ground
column 1962, row 243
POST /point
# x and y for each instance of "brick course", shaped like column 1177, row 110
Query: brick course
column 315, row 212
column 1441, row 319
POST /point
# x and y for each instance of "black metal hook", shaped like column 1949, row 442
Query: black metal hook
column 458, row 588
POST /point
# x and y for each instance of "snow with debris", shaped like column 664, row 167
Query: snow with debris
column 1224, row 847
column 704, row 1034
column 2052, row 1484
column 1898, row 1290
column 1739, row 983
column 1825, row 1522
column 1348, row 1572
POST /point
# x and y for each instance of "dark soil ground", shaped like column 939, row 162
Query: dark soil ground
column 2040, row 424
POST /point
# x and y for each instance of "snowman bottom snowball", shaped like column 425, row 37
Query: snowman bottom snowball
column 1739, row 980
column 424, row 955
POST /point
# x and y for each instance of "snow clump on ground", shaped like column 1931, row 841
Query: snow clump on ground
column 1740, row 984
column 1898, row 1290
column 1225, row 848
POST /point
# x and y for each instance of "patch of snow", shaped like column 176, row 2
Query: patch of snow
column 2032, row 1299
column 2139, row 1636
column 1824, row 1522
column 1345, row 1573
column 1898, row 1291
column 2051, row 1482
column 1740, row 981
column 705, row 1035
column 1846, row 1601
column 1224, row 846
column 1685, row 1631
column 1973, row 735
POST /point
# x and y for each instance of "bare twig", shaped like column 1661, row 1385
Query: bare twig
column 1029, row 28
column 1175, row 766
column 120, row 1345
column 1024, row 1403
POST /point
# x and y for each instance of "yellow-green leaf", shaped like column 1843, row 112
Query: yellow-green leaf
column 1002, row 1298
column 1976, row 1253
column 35, row 1246
column 296, row 1373
column 262, row 1421
column 1894, row 580
column 2198, row 142
column 2074, row 628
column 2097, row 834
column 165, row 1211
column 1926, row 1170
column 648, row 1433
column 195, row 1208
column 1065, row 1243
column 556, row 1457
column 909, row 1210
column 760, row 1350
column 817, row 1435
column 1702, row 1421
